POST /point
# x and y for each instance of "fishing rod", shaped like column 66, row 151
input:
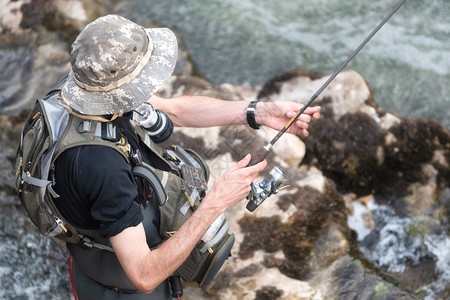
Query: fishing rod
column 263, row 152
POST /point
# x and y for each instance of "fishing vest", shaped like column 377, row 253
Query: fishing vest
column 171, row 198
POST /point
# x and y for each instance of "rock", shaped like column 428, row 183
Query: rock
column 421, row 196
column 44, row 30
column 389, row 120
column 300, row 236
column 297, row 244
column 11, row 17
column 329, row 247
column 301, row 212
column 347, row 278
column 349, row 91
column 446, row 200
column 365, row 199
column 290, row 150
column 401, row 162
column 363, row 136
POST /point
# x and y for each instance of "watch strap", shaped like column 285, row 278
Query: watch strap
column 251, row 115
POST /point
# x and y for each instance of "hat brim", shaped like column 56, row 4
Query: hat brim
column 130, row 95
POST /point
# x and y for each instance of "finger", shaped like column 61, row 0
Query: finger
column 302, row 125
column 291, row 114
column 256, row 168
column 316, row 115
column 243, row 162
column 304, row 133
column 305, row 118
column 311, row 110
column 298, row 131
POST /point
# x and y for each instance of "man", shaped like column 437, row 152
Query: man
column 117, row 66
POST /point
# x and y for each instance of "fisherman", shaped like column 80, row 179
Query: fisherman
column 116, row 67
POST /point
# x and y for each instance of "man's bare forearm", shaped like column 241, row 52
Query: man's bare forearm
column 147, row 268
column 201, row 111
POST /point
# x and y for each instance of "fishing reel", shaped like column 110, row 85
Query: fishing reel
column 266, row 188
column 157, row 124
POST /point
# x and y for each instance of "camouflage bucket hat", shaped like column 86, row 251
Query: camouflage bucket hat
column 116, row 65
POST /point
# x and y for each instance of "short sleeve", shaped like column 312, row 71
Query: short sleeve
column 105, row 177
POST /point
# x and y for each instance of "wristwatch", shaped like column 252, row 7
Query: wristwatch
column 251, row 115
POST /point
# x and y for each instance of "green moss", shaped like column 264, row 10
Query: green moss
column 422, row 289
column 419, row 228
column 381, row 289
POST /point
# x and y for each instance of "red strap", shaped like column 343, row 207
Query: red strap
column 70, row 263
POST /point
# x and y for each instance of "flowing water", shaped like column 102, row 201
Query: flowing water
column 248, row 41
column 415, row 250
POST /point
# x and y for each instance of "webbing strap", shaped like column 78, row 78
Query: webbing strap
column 85, row 241
column 216, row 238
column 35, row 181
column 84, row 126
column 52, row 191
column 105, row 130
column 42, row 183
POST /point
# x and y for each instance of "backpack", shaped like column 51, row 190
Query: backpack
column 45, row 135
column 33, row 168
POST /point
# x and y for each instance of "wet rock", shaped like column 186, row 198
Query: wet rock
column 364, row 199
column 30, row 266
column 446, row 200
column 371, row 149
column 422, row 195
column 11, row 129
column 329, row 247
column 44, row 31
column 297, row 236
column 16, row 65
column 349, row 91
column 349, row 279
column 300, row 236
column 297, row 244
column 402, row 162
column 268, row 293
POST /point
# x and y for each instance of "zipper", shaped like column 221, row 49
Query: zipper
column 191, row 202
column 60, row 223
column 35, row 138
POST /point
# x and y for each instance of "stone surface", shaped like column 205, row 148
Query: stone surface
column 297, row 244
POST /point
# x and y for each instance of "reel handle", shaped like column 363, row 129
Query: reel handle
column 258, row 156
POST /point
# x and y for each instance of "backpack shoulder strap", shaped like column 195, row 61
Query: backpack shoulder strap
column 80, row 132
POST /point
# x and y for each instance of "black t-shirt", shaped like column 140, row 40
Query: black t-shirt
column 97, row 190
column 96, row 186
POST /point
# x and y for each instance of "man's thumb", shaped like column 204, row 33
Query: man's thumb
column 245, row 161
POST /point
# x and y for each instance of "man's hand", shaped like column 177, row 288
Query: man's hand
column 277, row 114
column 146, row 268
column 233, row 185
